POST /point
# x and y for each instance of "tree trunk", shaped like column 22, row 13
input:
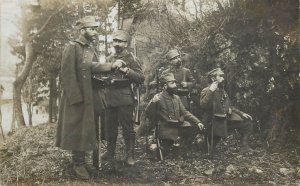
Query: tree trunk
column 18, row 85
column 17, row 106
column 21, row 78
column 53, row 100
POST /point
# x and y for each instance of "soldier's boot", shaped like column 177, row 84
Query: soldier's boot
column 245, row 145
column 216, row 154
column 79, row 165
column 109, row 155
column 130, row 142
column 90, row 166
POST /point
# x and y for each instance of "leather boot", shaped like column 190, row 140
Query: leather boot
column 244, row 141
column 79, row 165
column 90, row 166
column 109, row 155
column 216, row 154
column 130, row 142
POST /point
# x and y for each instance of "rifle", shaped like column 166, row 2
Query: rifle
column 136, row 115
column 159, row 151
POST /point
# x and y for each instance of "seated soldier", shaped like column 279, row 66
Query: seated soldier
column 220, row 117
column 175, row 123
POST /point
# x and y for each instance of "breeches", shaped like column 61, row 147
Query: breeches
column 115, row 116
column 244, row 127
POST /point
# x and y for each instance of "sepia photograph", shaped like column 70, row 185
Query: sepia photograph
column 149, row 92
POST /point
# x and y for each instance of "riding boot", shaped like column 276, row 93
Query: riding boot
column 79, row 168
column 244, row 142
column 90, row 163
column 129, row 143
column 109, row 155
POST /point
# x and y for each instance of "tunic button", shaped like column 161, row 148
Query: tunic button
column 84, row 76
column 83, row 62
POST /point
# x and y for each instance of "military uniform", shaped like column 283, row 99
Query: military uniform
column 120, row 100
column 76, row 125
column 181, row 74
column 220, row 116
column 173, row 119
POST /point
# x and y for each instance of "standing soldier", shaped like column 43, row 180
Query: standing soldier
column 120, row 98
column 220, row 117
column 184, row 78
column 76, row 125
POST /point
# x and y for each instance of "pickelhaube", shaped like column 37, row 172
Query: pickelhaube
column 120, row 35
column 87, row 21
column 172, row 54
column 214, row 72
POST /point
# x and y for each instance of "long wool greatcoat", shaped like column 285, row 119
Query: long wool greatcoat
column 76, row 125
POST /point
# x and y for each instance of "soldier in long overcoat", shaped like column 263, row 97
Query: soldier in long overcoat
column 76, row 125
column 219, row 114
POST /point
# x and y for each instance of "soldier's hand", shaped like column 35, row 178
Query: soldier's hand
column 155, row 98
column 118, row 64
column 229, row 111
column 213, row 86
column 247, row 116
column 201, row 126
column 184, row 84
column 124, row 69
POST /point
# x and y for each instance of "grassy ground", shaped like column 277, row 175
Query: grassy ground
column 28, row 157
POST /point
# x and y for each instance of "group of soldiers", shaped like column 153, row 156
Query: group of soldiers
column 105, row 92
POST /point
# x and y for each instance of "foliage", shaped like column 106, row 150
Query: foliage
column 255, row 43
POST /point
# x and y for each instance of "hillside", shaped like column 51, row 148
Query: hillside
column 28, row 156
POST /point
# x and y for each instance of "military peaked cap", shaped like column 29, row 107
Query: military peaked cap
column 167, row 77
column 214, row 72
column 87, row 21
column 120, row 35
column 172, row 54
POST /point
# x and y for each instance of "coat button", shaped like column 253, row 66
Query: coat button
column 83, row 62
column 84, row 76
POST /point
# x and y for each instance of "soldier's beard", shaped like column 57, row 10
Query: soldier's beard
column 118, row 49
column 221, row 85
column 171, row 91
column 89, row 37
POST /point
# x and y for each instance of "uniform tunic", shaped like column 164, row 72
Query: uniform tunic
column 181, row 75
column 76, row 125
column 217, row 104
column 119, row 96
column 169, row 107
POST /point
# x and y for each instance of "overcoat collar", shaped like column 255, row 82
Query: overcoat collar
column 82, row 40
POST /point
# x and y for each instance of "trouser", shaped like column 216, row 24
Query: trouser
column 186, row 138
column 188, row 135
column 115, row 116
column 244, row 127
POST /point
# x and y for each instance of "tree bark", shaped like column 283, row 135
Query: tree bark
column 18, row 117
column 18, row 85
